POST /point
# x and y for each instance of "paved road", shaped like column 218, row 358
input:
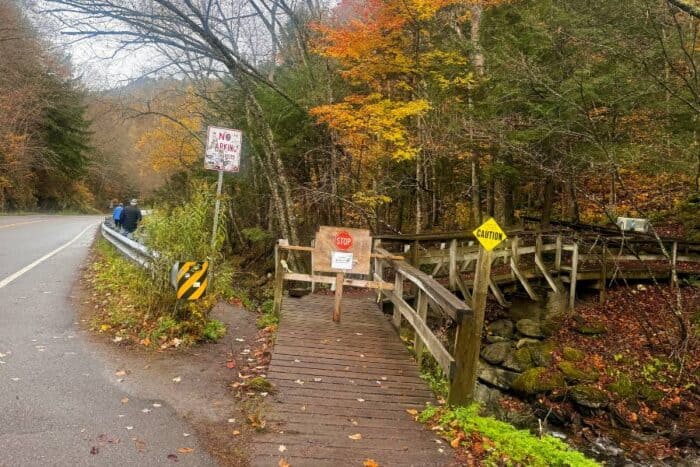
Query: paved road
column 60, row 404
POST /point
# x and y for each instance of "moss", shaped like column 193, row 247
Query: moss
column 520, row 447
column 541, row 354
column 594, row 329
column 523, row 358
column 622, row 387
column 649, row 393
column 260, row 384
column 588, row 396
column 576, row 374
column 538, row 380
column 572, row 354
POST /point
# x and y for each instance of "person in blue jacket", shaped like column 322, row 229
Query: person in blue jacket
column 117, row 215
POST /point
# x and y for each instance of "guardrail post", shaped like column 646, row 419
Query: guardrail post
column 573, row 277
column 453, row 265
column 422, row 310
column 398, row 291
column 557, row 257
column 468, row 342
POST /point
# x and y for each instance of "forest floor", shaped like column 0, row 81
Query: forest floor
column 643, row 375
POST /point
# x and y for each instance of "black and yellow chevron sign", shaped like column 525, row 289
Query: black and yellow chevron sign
column 192, row 280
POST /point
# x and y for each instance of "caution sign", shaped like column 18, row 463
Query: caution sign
column 192, row 280
column 490, row 234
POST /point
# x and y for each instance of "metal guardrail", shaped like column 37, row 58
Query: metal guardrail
column 128, row 247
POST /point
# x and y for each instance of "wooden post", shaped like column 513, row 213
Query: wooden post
column 468, row 342
column 398, row 291
column 572, row 278
column 422, row 309
column 453, row 264
column 279, row 284
column 414, row 254
column 557, row 257
column 313, row 282
column 339, row 278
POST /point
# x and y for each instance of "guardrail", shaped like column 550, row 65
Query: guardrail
column 128, row 247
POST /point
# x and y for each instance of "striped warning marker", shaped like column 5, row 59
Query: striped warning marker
column 192, row 280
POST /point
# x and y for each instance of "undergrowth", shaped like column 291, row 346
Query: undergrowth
column 139, row 305
column 498, row 443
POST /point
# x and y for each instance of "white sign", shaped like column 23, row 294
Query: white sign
column 341, row 260
column 223, row 150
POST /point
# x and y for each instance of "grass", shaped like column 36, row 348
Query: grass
column 500, row 442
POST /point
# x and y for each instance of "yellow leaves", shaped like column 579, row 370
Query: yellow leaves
column 373, row 126
column 370, row 463
column 457, row 440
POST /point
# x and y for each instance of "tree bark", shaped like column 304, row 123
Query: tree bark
column 548, row 202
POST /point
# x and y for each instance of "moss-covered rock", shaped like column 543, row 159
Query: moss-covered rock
column 572, row 354
column 529, row 328
column 501, row 328
column 644, row 391
column 589, row 397
column 538, row 380
column 591, row 329
column 497, row 377
column 576, row 374
column 541, row 353
column 623, row 387
column 519, row 361
column 496, row 353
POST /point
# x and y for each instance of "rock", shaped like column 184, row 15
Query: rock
column 538, row 380
column 528, row 328
column 591, row 329
column 589, row 397
column 501, row 328
column 497, row 377
column 573, row 355
column 494, row 339
column 518, row 361
column 496, row 353
column 575, row 374
column 526, row 341
column 541, row 353
column 487, row 396
column 622, row 387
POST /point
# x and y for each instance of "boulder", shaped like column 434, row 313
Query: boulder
column 493, row 339
column 501, row 328
column 577, row 374
column 529, row 328
column 541, row 353
column 519, row 361
column 538, row 380
column 572, row 354
column 496, row 377
column 589, row 397
column 526, row 341
column 496, row 353
column 593, row 329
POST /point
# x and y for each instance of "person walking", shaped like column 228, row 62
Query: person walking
column 117, row 215
column 131, row 216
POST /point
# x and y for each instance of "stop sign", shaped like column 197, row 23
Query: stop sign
column 343, row 240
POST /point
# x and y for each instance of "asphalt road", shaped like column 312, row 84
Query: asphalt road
column 60, row 403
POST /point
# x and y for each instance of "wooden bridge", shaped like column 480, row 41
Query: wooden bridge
column 347, row 391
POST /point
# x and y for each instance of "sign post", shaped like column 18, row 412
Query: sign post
column 468, row 341
column 223, row 154
column 341, row 251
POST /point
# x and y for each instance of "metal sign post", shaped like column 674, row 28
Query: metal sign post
column 217, row 208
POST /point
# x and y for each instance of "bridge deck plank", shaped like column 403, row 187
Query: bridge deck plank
column 335, row 380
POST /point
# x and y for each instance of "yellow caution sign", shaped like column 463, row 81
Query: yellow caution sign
column 490, row 234
column 192, row 280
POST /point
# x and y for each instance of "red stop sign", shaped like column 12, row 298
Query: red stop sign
column 343, row 240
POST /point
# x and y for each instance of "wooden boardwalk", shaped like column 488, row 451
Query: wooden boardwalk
column 339, row 381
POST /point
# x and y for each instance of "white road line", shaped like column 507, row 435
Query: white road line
column 29, row 267
column 21, row 223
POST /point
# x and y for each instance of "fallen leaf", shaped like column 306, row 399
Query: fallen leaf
column 185, row 450
column 140, row 445
column 177, row 379
column 355, row 437
column 360, row 400
column 282, row 448
column 173, row 457
column 283, row 463
column 236, row 432
column 156, row 404
column 370, row 463
column 120, row 373
column 94, row 450
column 413, row 412
column 129, row 427
column 230, row 364
column 125, row 400
column 455, row 442
column 145, row 410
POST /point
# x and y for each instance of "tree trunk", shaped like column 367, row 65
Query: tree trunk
column 548, row 202
column 573, row 202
